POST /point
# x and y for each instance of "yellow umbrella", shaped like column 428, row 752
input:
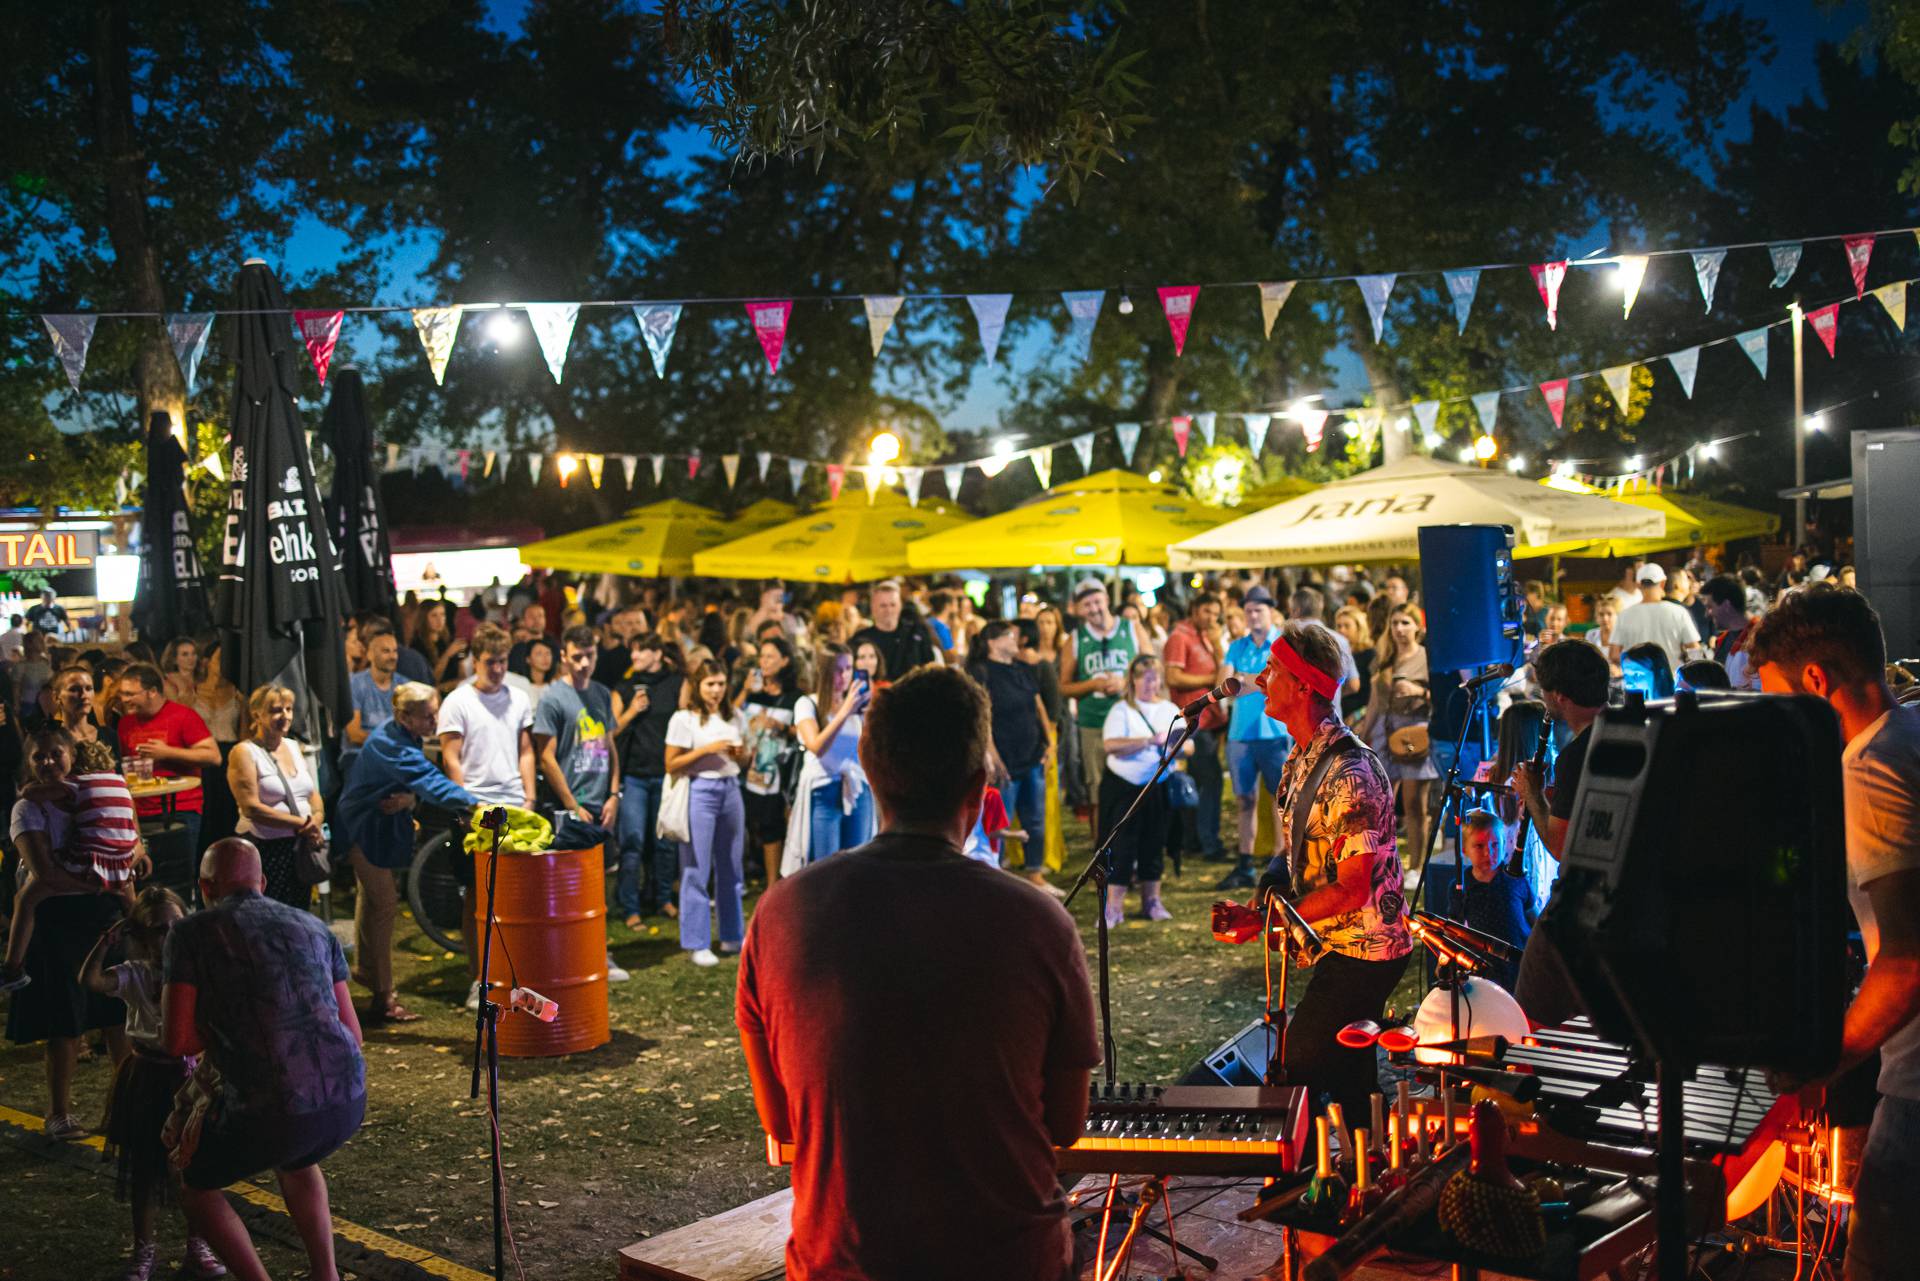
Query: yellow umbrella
column 655, row 541
column 850, row 540
column 1692, row 521
column 1108, row 518
column 761, row 513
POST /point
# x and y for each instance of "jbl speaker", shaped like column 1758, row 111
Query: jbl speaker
column 1241, row 1060
column 1466, row 584
column 1886, row 538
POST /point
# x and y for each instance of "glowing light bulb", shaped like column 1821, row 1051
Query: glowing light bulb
column 502, row 329
column 1633, row 463
column 1485, row 447
column 1710, row 452
column 1002, row 455
column 1154, row 476
column 1466, row 455
column 1816, row 422
column 1515, row 463
column 1126, row 304
column 1431, row 439
column 1403, row 423
column 883, row 449
column 566, row 465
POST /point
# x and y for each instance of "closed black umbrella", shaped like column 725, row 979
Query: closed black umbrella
column 280, row 601
column 171, row 599
column 355, row 514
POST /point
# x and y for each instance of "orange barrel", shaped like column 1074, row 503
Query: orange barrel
column 549, row 913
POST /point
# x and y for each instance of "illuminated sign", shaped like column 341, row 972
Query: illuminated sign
column 49, row 549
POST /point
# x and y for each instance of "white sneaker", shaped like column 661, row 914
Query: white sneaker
column 614, row 973
column 705, row 956
column 473, row 997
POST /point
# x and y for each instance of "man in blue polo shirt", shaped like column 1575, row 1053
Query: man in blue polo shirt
column 1257, row 745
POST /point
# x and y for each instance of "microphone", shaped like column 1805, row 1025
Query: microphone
column 1466, row 936
column 1226, row 689
column 493, row 819
column 1296, row 926
column 1498, row 672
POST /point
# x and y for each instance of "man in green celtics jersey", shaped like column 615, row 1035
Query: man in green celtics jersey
column 1093, row 669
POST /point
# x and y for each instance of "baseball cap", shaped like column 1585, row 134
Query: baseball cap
column 1257, row 595
column 1651, row 573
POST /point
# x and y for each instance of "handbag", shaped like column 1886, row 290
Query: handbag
column 1410, row 744
column 1182, row 792
column 312, row 861
column 675, row 809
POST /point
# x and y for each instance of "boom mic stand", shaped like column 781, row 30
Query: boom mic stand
column 486, row 1040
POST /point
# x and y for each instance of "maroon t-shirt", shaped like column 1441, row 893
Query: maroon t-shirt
column 913, row 1001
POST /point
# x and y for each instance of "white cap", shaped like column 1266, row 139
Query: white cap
column 1651, row 573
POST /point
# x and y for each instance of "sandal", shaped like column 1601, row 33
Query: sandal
column 64, row 1127
column 394, row 1012
column 635, row 923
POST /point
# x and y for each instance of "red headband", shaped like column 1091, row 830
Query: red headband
column 1312, row 677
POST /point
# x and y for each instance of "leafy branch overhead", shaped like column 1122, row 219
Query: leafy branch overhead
column 1006, row 82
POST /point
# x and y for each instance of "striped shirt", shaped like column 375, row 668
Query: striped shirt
column 105, row 832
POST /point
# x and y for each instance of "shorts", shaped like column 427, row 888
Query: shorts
column 229, row 1154
column 766, row 817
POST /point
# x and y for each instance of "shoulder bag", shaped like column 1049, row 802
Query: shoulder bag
column 312, row 860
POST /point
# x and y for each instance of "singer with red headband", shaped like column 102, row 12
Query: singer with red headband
column 1335, row 850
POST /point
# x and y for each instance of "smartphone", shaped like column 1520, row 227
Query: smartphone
column 1637, row 678
column 862, row 682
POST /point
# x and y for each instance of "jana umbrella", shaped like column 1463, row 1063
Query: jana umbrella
column 761, row 513
column 1692, row 521
column 171, row 599
column 655, row 541
column 356, row 518
column 851, row 540
column 1108, row 518
column 1377, row 515
column 280, row 601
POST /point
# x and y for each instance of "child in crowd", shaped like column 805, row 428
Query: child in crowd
column 145, row 1083
column 990, row 830
column 1496, row 904
column 91, row 845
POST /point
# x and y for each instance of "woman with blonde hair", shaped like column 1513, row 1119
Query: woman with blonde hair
column 1400, row 699
column 180, row 668
column 1135, row 733
column 1351, row 622
column 280, row 808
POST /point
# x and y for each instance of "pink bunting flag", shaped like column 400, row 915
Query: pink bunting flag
column 693, row 466
column 1182, row 429
column 1177, row 301
column 1313, row 424
column 320, row 331
column 1546, row 278
column 1556, row 393
column 836, row 477
column 770, row 327
column 466, row 461
column 1826, row 323
column 1859, row 253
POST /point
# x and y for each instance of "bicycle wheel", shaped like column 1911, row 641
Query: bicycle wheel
column 434, row 892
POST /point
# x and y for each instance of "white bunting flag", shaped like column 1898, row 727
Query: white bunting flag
column 1706, row 270
column 1042, row 460
column 1313, row 424
column 1754, row 343
column 1426, row 413
column 1463, row 285
column 1786, row 261
column 1633, row 271
column 438, row 327
column 990, row 312
column 596, row 467
column 533, row 467
column 911, row 478
column 1374, row 291
column 553, row 326
column 630, row 464
column 730, row 464
column 1083, row 312
column 1207, row 423
column 796, row 473
column 1083, row 449
column 393, row 456
column 659, row 462
column 881, row 310
column 1894, row 298
column 187, row 333
column 953, row 475
column 1547, row 278
column 1685, row 364
column 1369, row 420
column 1128, row 434
column 1273, row 296
column 765, row 459
column 873, row 475
column 1619, row 380
column 658, row 321
column 71, row 335
column 1487, row 405
column 1256, row 425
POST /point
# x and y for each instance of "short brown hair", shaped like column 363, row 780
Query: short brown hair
column 147, row 674
column 1837, row 630
column 489, row 641
column 924, row 743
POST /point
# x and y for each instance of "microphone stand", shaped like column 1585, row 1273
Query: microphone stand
column 486, row 1040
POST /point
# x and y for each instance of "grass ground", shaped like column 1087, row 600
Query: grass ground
column 646, row 1133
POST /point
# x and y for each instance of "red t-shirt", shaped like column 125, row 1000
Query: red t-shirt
column 175, row 725
column 913, row 1001
column 1188, row 649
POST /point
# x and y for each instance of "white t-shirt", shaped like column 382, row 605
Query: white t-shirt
column 1138, row 765
column 273, row 795
column 1661, row 622
column 1881, row 773
column 137, row 984
column 489, row 726
column 686, row 731
column 33, row 816
column 843, row 753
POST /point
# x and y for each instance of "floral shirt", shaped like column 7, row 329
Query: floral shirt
column 1351, row 817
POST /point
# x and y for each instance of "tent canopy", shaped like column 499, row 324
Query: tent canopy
column 761, row 513
column 850, row 540
column 1108, row 518
column 1692, row 521
column 658, row 540
column 1377, row 515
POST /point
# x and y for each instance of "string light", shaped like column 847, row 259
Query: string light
column 997, row 463
column 1816, row 422
column 1485, row 447
column 1126, row 302
column 566, row 465
column 883, row 449
column 502, row 330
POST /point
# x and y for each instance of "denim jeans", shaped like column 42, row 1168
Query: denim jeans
column 831, row 828
column 1881, row 1237
column 1025, row 796
column 717, row 821
column 647, row 863
column 1249, row 764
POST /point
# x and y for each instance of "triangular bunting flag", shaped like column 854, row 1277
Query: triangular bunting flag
column 320, row 331
column 911, row 478
column 1256, row 425
column 1083, row 313
column 533, row 468
column 438, row 327
column 1177, row 301
column 1487, row 406
column 1786, row 261
column 1826, row 323
column 1633, row 271
column 1463, row 285
column 187, row 332
column 629, row 463
column 1619, row 380
column 393, row 456
column 1313, row 424
column 770, row 327
column 1427, row 414
column 1042, row 460
column 596, row 467
column 553, row 326
column 765, row 459
column 1754, row 343
column 990, row 313
column 693, row 465
column 659, row 462
column 658, row 320
column 1706, row 270
column 836, row 477
column 1374, row 291
column 872, row 475
column 1894, row 298
column 71, row 335
column 1547, row 277
column 1128, row 434
column 493, row 455
column 1182, row 428
column 1083, row 449
column 1369, row 420
column 1555, row 392
column 953, row 475
column 881, row 310
column 1685, row 365
column 796, row 472
column 1859, row 254
column 730, row 464
column 1206, row 422
column 1273, row 296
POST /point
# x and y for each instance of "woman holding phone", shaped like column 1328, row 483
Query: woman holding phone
column 833, row 803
